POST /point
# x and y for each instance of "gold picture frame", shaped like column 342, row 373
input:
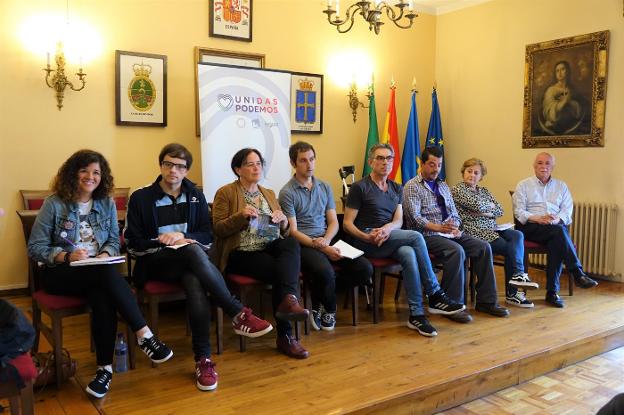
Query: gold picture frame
column 565, row 86
column 222, row 57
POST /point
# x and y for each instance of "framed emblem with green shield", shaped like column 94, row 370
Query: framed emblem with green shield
column 306, row 100
column 140, row 89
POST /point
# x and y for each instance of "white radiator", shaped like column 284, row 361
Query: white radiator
column 593, row 232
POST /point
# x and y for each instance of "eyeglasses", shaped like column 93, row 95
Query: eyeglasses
column 382, row 158
column 169, row 165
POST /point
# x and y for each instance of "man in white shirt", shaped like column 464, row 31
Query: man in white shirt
column 543, row 207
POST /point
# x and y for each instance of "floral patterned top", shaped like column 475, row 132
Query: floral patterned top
column 248, row 240
column 470, row 203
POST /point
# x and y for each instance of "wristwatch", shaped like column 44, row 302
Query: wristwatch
column 66, row 259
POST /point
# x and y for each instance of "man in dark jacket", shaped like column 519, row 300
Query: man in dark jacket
column 168, row 230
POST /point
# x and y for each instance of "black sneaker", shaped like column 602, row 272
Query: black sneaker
column 156, row 350
column 98, row 387
column 328, row 321
column 422, row 325
column 519, row 300
column 441, row 303
column 315, row 319
column 522, row 280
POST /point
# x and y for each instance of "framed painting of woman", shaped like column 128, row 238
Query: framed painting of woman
column 565, row 91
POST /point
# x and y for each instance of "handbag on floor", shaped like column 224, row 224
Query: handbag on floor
column 46, row 367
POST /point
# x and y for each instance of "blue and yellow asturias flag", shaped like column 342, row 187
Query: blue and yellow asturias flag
column 410, row 163
column 434, row 133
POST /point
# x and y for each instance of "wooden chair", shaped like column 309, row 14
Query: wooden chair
column 56, row 307
column 243, row 285
column 153, row 293
column 381, row 268
column 33, row 199
column 353, row 292
column 536, row 248
column 23, row 397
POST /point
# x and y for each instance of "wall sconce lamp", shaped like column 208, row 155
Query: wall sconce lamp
column 59, row 80
column 354, row 101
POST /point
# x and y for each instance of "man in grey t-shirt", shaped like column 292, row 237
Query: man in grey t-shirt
column 374, row 216
column 308, row 203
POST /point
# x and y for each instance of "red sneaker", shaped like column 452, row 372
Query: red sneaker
column 246, row 324
column 206, row 374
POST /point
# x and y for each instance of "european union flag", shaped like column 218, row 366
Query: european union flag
column 306, row 106
column 411, row 148
column 434, row 133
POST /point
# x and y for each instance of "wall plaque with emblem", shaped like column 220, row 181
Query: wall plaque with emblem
column 306, row 100
column 140, row 89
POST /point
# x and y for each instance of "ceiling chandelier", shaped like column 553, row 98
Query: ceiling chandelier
column 371, row 11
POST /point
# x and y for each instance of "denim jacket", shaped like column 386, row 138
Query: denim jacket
column 57, row 216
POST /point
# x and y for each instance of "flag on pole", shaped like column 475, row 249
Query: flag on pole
column 410, row 162
column 390, row 135
column 434, row 133
column 373, row 131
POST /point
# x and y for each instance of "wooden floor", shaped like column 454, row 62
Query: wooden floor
column 578, row 389
column 384, row 368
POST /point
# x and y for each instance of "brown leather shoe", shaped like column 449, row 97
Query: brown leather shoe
column 291, row 347
column 461, row 317
column 289, row 309
column 493, row 309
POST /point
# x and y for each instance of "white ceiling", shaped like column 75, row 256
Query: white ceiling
column 444, row 6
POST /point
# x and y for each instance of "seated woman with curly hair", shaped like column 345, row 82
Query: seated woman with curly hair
column 77, row 222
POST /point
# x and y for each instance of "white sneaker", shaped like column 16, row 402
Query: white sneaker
column 523, row 280
column 519, row 300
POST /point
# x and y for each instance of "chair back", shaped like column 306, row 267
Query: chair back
column 27, row 217
column 341, row 234
column 121, row 196
column 516, row 223
column 33, row 199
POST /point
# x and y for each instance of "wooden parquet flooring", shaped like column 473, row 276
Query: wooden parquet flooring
column 579, row 389
column 384, row 368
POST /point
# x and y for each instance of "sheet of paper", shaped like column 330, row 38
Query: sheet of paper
column 347, row 250
column 204, row 247
column 504, row 226
column 446, row 235
column 177, row 246
column 98, row 261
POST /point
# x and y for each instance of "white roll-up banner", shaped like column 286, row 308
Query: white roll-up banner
column 238, row 108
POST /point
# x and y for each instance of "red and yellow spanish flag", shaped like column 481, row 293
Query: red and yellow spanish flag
column 391, row 135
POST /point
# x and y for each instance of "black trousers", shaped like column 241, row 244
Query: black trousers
column 107, row 293
column 278, row 264
column 560, row 247
column 318, row 267
column 191, row 267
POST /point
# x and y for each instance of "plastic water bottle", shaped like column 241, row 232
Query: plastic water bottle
column 121, row 354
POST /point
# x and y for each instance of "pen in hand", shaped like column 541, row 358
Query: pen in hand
column 64, row 237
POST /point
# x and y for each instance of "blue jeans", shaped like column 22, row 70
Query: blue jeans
column 409, row 249
column 511, row 246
